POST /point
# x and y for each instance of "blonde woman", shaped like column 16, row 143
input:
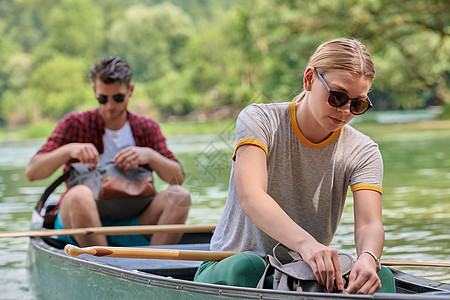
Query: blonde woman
column 292, row 166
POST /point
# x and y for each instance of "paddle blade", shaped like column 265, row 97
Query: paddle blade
column 72, row 250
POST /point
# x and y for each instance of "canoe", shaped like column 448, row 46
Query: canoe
column 55, row 275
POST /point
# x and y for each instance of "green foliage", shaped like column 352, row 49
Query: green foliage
column 150, row 39
column 77, row 33
column 193, row 55
column 56, row 87
column 7, row 50
column 445, row 111
column 23, row 21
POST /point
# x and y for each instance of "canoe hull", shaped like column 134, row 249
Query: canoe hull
column 57, row 276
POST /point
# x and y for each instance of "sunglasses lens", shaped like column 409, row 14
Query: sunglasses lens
column 337, row 99
column 119, row 98
column 102, row 99
column 359, row 107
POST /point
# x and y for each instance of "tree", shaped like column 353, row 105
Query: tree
column 23, row 21
column 75, row 28
column 196, row 54
column 409, row 42
column 150, row 39
column 56, row 87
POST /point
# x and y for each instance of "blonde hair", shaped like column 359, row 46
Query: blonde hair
column 342, row 54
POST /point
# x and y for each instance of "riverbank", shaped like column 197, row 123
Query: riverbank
column 389, row 131
column 373, row 129
column 179, row 127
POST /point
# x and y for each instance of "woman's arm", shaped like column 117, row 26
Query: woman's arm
column 251, row 184
column 369, row 236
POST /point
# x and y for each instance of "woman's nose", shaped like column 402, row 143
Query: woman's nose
column 345, row 109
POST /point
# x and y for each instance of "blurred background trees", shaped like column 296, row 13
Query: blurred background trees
column 196, row 55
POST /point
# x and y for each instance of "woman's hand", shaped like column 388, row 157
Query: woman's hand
column 324, row 261
column 363, row 277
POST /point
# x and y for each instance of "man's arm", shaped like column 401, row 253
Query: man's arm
column 43, row 165
column 369, row 236
column 169, row 170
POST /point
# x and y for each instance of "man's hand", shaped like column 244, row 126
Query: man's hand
column 85, row 153
column 363, row 277
column 44, row 164
column 131, row 157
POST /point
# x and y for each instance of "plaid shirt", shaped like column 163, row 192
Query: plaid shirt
column 88, row 127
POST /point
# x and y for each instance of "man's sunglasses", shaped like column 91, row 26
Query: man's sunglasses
column 338, row 99
column 103, row 99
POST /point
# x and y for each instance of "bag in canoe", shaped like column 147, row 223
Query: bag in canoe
column 119, row 196
column 298, row 275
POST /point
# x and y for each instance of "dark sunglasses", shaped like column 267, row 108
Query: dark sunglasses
column 338, row 99
column 103, row 99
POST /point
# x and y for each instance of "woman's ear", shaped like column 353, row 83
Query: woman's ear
column 307, row 78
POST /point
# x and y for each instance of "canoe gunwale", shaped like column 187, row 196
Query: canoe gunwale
column 187, row 287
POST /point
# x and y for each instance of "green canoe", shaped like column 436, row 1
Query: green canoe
column 54, row 275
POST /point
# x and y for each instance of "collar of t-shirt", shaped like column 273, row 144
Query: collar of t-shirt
column 113, row 140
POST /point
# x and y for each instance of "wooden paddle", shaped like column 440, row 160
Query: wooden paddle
column 148, row 253
column 113, row 230
column 128, row 252
column 413, row 264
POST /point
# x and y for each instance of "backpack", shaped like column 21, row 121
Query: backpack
column 298, row 275
column 119, row 196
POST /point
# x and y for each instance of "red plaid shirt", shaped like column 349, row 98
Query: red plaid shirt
column 88, row 127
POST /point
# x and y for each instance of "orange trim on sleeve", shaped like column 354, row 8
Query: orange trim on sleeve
column 249, row 141
column 366, row 187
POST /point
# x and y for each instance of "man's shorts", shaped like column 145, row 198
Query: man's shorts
column 113, row 240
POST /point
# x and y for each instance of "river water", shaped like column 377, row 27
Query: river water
column 416, row 206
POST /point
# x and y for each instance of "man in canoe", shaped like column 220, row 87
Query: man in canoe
column 291, row 169
column 130, row 140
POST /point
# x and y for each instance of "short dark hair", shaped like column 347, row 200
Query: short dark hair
column 112, row 70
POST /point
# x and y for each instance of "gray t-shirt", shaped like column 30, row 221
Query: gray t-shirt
column 309, row 181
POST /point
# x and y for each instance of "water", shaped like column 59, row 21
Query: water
column 416, row 207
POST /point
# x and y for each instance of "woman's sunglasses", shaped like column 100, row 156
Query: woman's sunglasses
column 338, row 99
column 103, row 99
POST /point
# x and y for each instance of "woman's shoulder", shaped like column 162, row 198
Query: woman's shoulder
column 265, row 109
column 269, row 106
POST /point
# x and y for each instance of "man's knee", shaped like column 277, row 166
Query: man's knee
column 179, row 196
column 78, row 208
column 79, row 196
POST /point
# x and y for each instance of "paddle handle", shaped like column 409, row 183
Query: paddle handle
column 146, row 253
column 413, row 264
column 112, row 230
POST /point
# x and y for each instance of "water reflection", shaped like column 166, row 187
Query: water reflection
column 416, row 210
